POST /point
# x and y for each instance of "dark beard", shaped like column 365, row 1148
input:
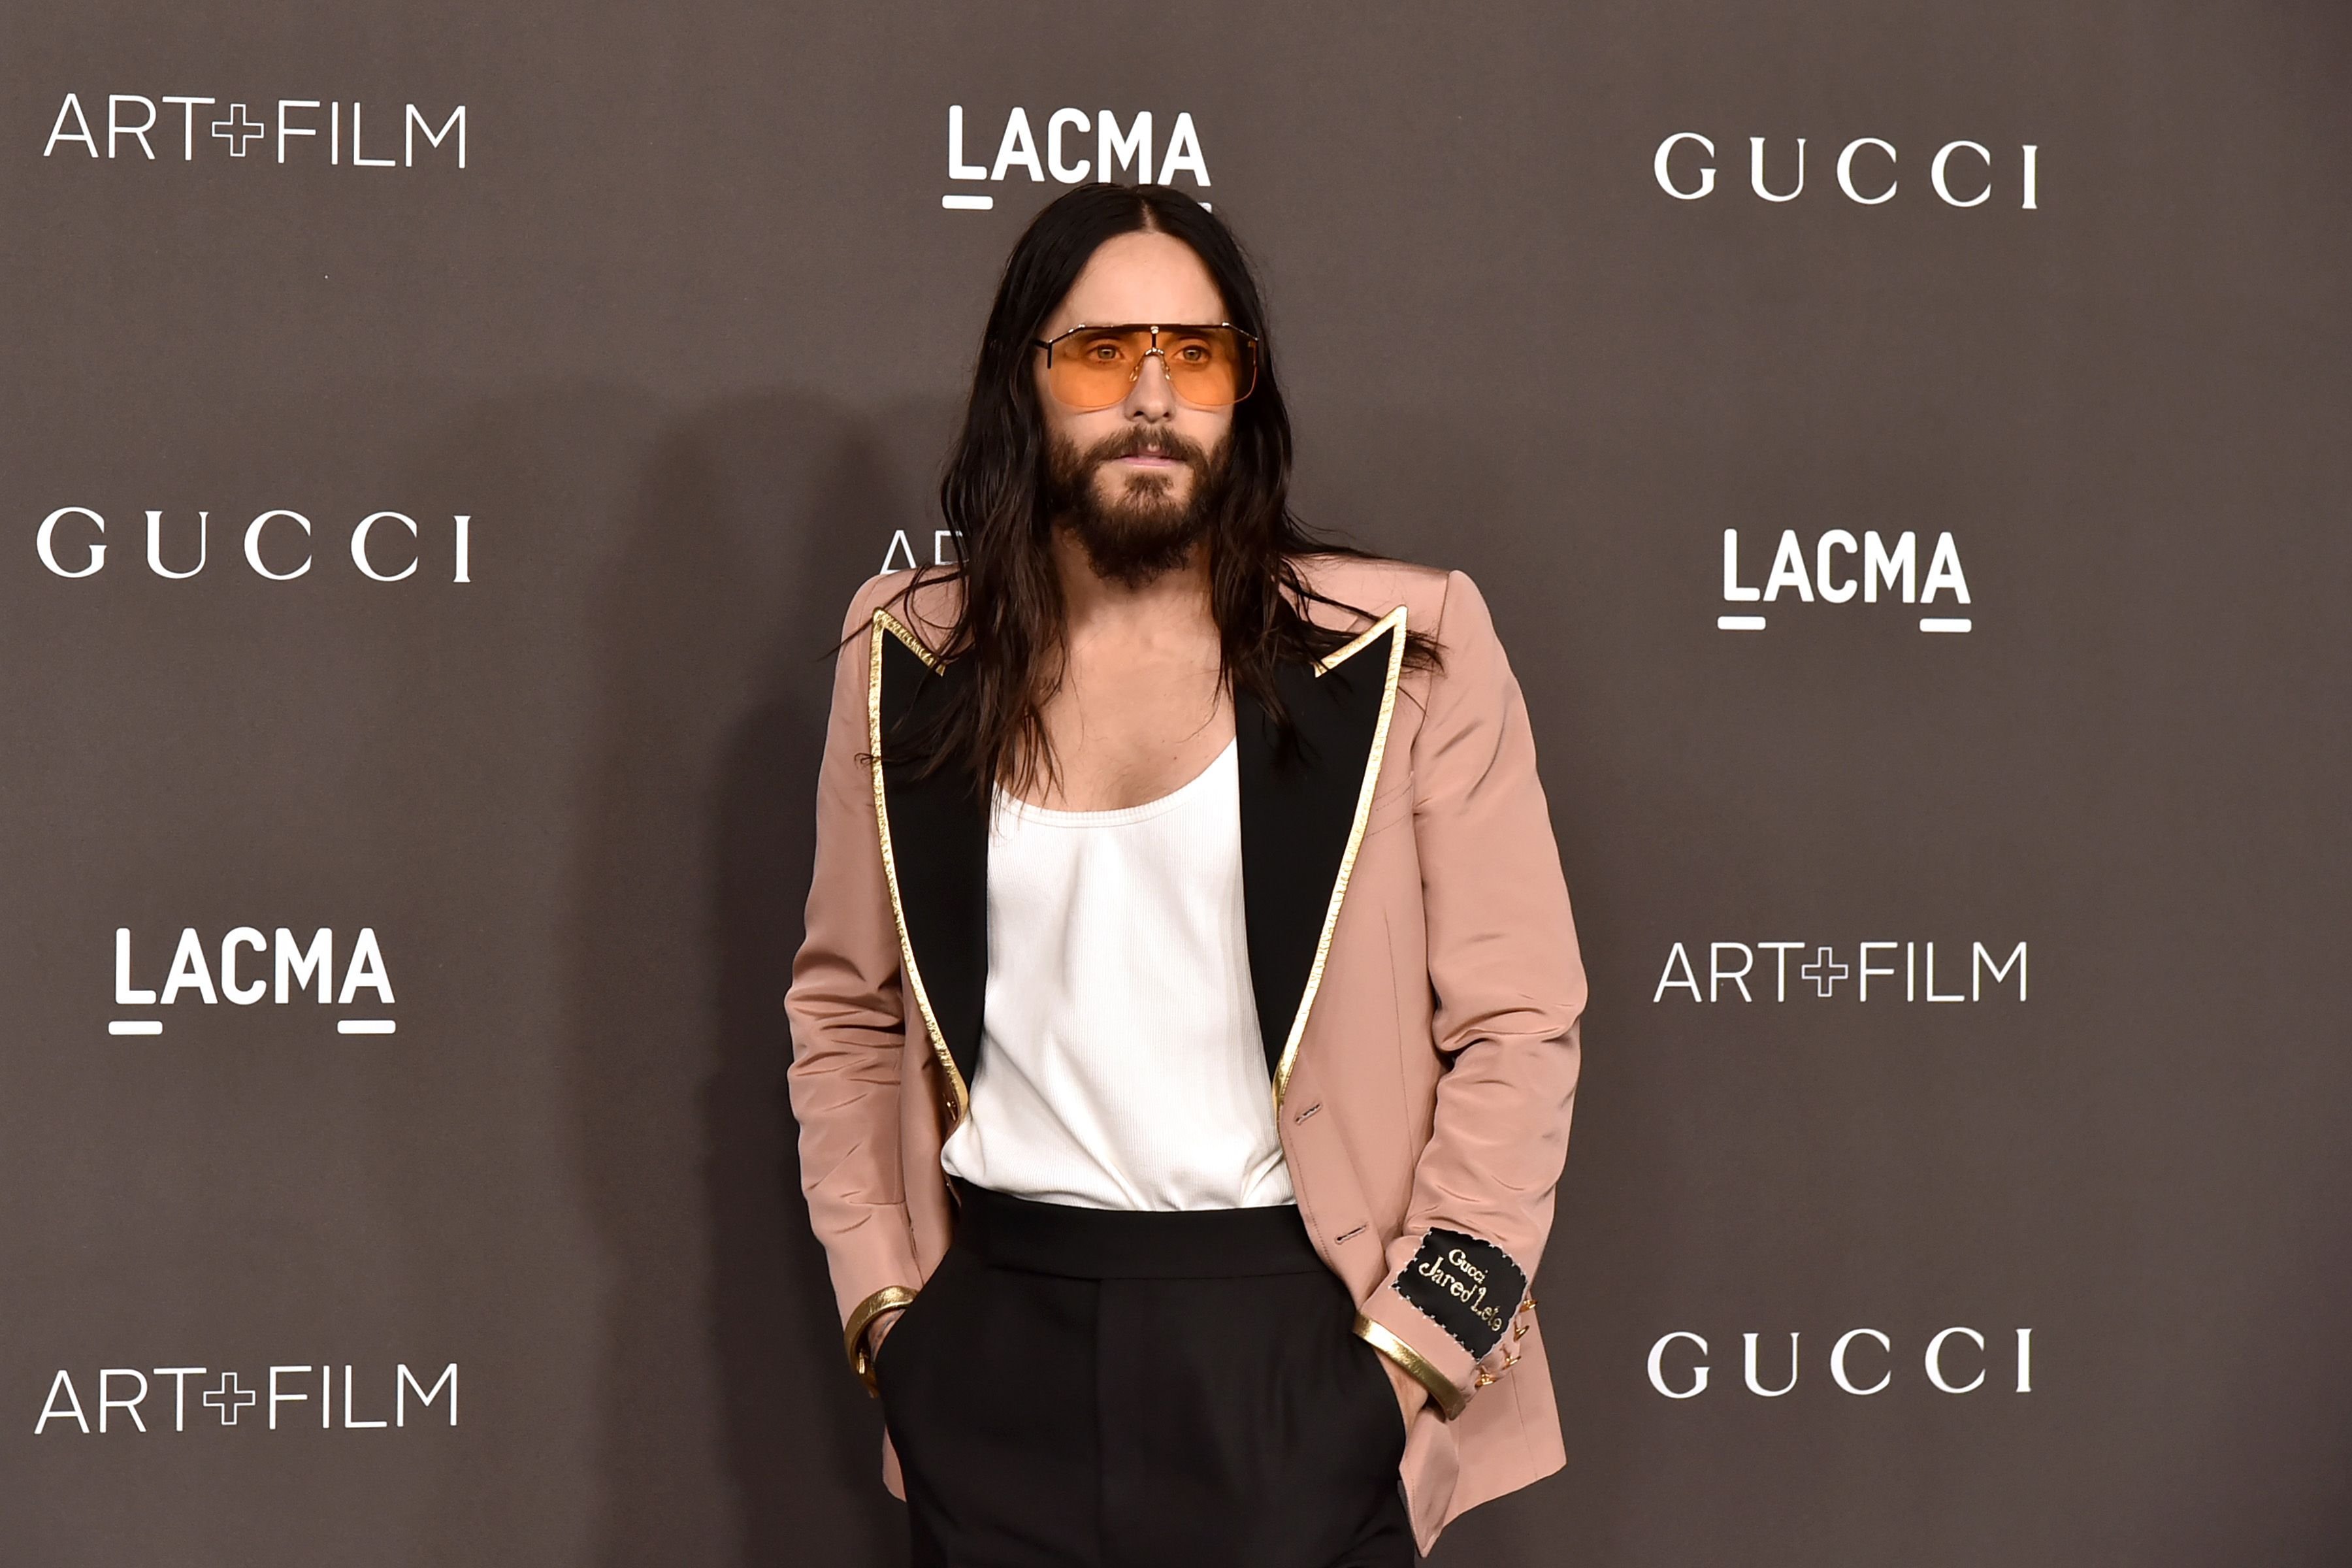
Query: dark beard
column 1145, row 533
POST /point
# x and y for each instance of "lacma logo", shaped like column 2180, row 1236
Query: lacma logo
column 71, row 542
column 1070, row 156
column 1822, row 972
column 246, row 1399
column 259, row 133
column 292, row 969
column 1841, row 567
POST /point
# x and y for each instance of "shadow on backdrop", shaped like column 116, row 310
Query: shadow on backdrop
column 755, row 522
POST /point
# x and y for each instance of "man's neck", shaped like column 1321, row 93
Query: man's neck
column 1174, row 605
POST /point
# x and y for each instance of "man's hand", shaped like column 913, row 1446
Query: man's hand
column 1409, row 1393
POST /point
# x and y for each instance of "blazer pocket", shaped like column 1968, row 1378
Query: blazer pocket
column 1389, row 1424
column 884, row 1356
column 887, row 1358
column 929, row 1315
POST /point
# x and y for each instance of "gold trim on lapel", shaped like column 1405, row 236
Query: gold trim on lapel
column 1393, row 622
column 914, row 644
column 1362, row 640
column 885, row 621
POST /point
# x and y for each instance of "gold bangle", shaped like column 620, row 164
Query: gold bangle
column 1450, row 1400
column 853, row 1334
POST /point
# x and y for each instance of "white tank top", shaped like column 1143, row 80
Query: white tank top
column 1120, row 1063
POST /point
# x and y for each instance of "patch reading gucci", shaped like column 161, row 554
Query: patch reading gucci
column 1470, row 1287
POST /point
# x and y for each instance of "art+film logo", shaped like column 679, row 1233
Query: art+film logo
column 298, row 130
column 947, row 550
column 1737, row 971
column 277, row 543
column 1078, row 145
column 114, row 1401
column 247, row 968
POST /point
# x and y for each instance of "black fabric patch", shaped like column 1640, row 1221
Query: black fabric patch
column 1470, row 1287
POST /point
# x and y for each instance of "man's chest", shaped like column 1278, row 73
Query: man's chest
column 1126, row 731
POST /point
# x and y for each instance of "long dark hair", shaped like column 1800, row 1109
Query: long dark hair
column 992, row 493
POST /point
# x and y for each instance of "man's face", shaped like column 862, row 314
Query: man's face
column 1135, row 481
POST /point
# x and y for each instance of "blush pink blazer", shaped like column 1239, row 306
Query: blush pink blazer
column 1415, row 967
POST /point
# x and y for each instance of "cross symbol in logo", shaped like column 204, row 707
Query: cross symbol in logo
column 1823, row 972
column 228, row 1398
column 237, row 130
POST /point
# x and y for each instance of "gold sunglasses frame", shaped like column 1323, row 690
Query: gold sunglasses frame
column 1249, row 343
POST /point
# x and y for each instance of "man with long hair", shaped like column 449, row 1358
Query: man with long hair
column 1186, row 1030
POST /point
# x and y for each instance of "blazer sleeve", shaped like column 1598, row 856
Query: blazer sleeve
column 848, row 1018
column 1509, row 990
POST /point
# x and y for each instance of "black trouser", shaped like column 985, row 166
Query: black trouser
column 1089, row 1386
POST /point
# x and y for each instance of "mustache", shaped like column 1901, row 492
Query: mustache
column 1136, row 443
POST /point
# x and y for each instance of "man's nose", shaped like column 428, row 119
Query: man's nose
column 1151, row 395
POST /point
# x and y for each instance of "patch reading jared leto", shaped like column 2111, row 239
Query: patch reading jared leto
column 1470, row 1287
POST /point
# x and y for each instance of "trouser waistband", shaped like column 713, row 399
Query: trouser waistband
column 1009, row 1232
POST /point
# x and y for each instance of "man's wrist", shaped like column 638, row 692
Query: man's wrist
column 1411, row 1394
column 1449, row 1397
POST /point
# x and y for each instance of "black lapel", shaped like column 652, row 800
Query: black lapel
column 934, row 850
column 1303, row 814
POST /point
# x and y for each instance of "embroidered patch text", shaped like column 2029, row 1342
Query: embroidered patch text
column 1468, row 1286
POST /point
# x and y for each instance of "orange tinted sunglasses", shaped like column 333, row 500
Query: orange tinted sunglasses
column 1093, row 368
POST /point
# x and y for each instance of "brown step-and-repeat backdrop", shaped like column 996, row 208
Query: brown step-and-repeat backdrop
column 1906, row 450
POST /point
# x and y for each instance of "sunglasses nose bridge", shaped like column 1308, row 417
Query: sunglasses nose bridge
column 1135, row 376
